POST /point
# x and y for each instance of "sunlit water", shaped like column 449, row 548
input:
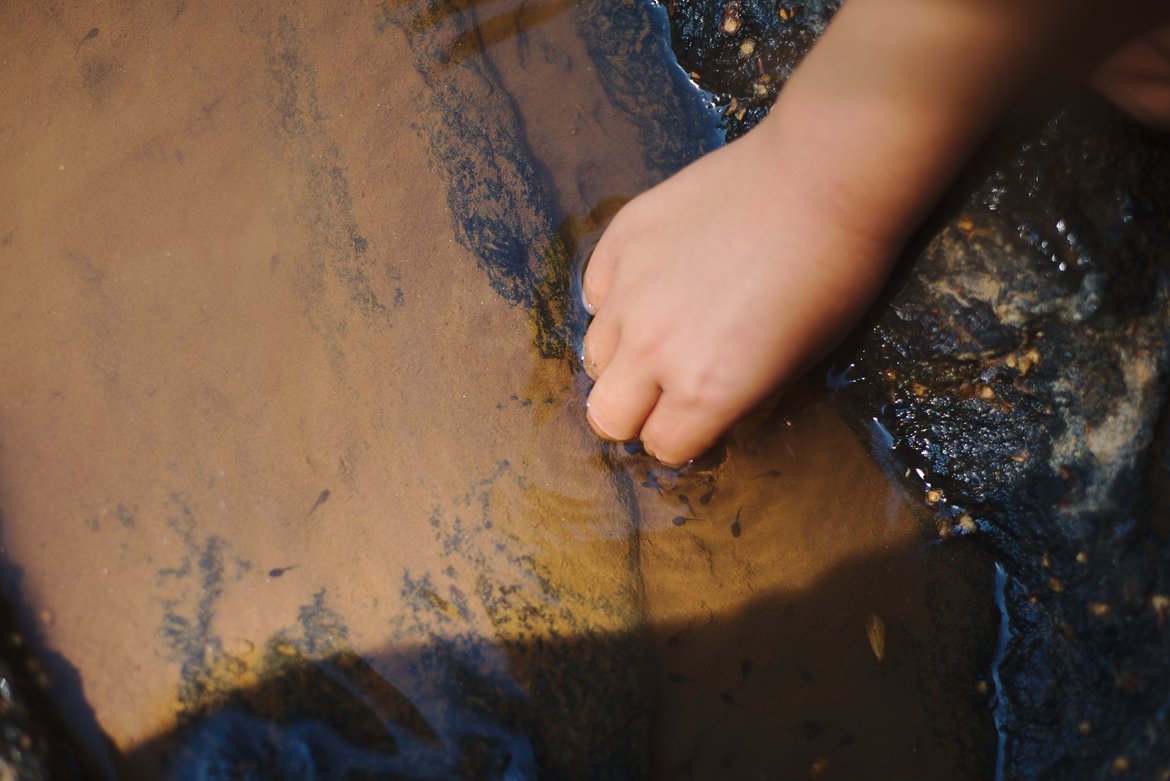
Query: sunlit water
column 293, row 470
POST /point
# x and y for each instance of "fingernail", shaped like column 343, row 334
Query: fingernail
column 593, row 425
column 668, row 464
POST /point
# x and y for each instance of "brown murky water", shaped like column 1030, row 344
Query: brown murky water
column 276, row 443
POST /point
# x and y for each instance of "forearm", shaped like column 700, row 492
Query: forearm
column 891, row 101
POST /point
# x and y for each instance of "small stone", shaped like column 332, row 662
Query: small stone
column 1160, row 603
column 1128, row 682
column 759, row 89
column 1056, row 585
column 933, row 496
column 1121, row 765
column 919, row 389
column 986, row 393
column 967, row 524
column 1082, row 557
column 1099, row 609
column 1085, row 728
column 1029, row 359
column 747, row 47
column 730, row 25
column 982, row 688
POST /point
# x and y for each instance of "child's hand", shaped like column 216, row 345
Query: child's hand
column 721, row 284
column 715, row 288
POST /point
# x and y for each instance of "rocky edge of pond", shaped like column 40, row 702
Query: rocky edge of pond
column 1018, row 367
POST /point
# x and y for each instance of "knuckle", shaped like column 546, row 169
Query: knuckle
column 701, row 390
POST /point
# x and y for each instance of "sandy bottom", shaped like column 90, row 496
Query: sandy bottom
column 263, row 411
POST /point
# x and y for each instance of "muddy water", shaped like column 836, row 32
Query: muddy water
column 293, row 472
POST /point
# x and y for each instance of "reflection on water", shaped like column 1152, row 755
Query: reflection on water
column 494, row 23
column 294, row 472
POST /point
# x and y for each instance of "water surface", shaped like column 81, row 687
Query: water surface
column 294, row 475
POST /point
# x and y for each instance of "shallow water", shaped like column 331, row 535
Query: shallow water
column 294, row 476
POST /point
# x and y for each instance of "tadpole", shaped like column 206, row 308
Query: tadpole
column 89, row 36
column 321, row 499
column 736, row 527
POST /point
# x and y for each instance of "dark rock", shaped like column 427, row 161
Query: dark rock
column 1020, row 368
column 741, row 51
column 34, row 746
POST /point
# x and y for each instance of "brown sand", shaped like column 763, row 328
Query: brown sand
column 248, row 368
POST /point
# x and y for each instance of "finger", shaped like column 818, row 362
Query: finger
column 621, row 400
column 600, row 344
column 598, row 273
column 676, row 431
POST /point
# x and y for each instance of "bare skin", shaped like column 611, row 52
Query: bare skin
column 723, row 283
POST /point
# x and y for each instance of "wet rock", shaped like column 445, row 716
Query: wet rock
column 1020, row 368
column 741, row 51
column 33, row 745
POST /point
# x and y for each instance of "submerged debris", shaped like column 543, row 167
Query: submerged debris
column 875, row 632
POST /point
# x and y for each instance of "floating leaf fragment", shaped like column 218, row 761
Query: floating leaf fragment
column 875, row 630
